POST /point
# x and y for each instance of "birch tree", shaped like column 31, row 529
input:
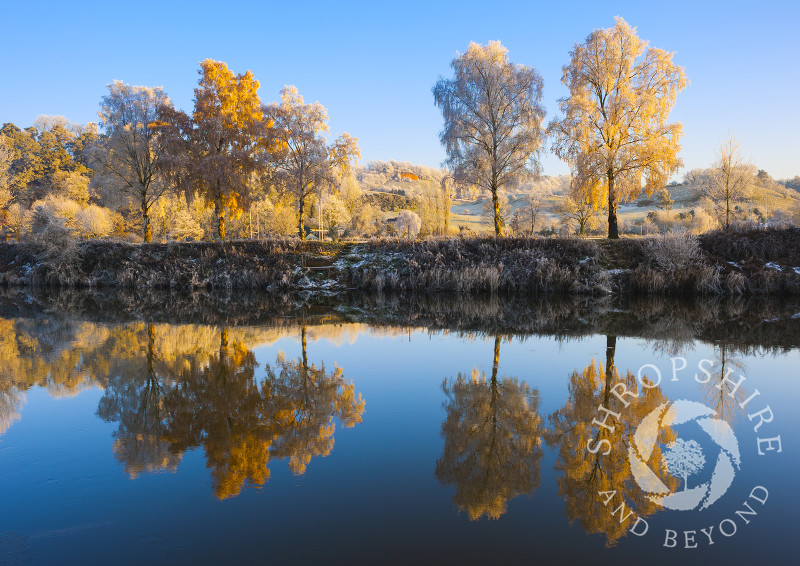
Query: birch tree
column 614, row 133
column 492, row 120
column 305, row 163
column 129, row 158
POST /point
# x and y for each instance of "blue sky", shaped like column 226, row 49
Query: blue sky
column 373, row 64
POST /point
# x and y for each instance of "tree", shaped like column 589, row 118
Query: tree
column 304, row 161
column 665, row 201
column 408, row 223
column 433, row 206
column 306, row 400
column 531, row 212
column 72, row 185
column 225, row 135
column 131, row 154
column 585, row 474
column 5, row 176
column 492, row 120
column 581, row 211
column 614, row 133
column 731, row 180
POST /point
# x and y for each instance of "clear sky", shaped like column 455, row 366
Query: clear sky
column 373, row 64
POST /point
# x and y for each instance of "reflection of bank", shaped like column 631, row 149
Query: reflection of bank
column 492, row 440
column 593, row 458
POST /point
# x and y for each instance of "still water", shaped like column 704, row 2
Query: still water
column 396, row 432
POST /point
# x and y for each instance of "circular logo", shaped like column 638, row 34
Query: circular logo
column 683, row 458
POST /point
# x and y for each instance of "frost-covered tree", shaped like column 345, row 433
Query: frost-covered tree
column 492, row 120
column 129, row 157
column 665, row 201
column 408, row 223
column 731, row 181
column 305, row 162
column 577, row 210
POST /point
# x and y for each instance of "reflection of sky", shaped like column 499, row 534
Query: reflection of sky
column 375, row 499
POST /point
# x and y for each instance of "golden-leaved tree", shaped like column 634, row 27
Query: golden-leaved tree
column 584, row 476
column 614, row 133
column 225, row 137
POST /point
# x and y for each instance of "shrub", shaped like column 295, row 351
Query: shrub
column 93, row 222
column 674, row 251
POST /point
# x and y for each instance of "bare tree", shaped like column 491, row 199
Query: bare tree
column 531, row 212
column 492, row 120
column 731, row 180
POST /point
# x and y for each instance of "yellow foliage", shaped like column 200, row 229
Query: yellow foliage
column 614, row 133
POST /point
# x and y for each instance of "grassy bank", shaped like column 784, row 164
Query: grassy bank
column 756, row 262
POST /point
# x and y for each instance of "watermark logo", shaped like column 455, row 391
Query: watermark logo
column 684, row 458
column 682, row 455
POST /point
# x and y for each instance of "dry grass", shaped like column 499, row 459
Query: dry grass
column 759, row 262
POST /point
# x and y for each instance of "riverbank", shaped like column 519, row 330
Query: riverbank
column 754, row 262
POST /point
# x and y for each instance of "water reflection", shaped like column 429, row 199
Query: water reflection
column 168, row 389
column 719, row 385
column 492, row 440
column 583, row 475
column 172, row 389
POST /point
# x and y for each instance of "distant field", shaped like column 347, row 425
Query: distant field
column 469, row 214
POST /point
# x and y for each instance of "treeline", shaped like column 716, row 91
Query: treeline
column 231, row 167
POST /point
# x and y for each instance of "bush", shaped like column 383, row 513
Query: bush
column 93, row 222
column 674, row 251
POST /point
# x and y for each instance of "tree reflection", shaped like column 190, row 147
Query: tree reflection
column 135, row 399
column 584, row 475
column 306, row 399
column 492, row 441
column 174, row 388
column 718, row 392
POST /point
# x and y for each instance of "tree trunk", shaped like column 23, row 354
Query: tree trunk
column 300, row 227
column 613, row 230
column 727, row 213
column 219, row 210
column 498, row 229
column 303, row 342
column 148, row 232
